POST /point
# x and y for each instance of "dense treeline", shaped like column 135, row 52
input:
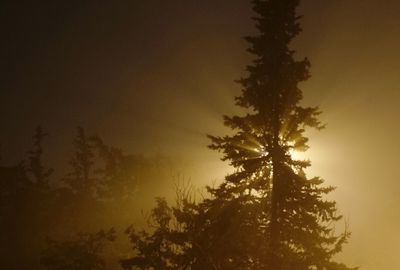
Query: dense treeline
column 59, row 221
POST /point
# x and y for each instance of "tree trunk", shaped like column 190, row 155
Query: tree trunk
column 275, row 199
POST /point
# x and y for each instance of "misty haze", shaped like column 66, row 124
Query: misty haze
column 199, row 135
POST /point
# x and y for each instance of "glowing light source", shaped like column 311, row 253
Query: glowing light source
column 297, row 155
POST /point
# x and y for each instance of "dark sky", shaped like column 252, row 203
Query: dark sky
column 157, row 75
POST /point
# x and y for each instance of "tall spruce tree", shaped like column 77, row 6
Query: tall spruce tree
column 267, row 214
column 269, row 188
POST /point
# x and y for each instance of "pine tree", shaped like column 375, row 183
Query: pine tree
column 36, row 169
column 269, row 194
column 267, row 214
column 81, row 180
column 157, row 249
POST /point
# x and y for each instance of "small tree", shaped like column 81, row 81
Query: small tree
column 36, row 169
column 116, row 175
column 155, row 250
column 81, row 180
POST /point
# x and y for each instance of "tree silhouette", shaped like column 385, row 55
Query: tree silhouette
column 117, row 172
column 154, row 250
column 26, row 217
column 36, row 168
column 101, row 191
column 292, row 217
column 26, row 208
column 267, row 214
column 81, row 179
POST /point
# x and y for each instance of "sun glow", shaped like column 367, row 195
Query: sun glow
column 294, row 154
column 298, row 155
column 261, row 151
